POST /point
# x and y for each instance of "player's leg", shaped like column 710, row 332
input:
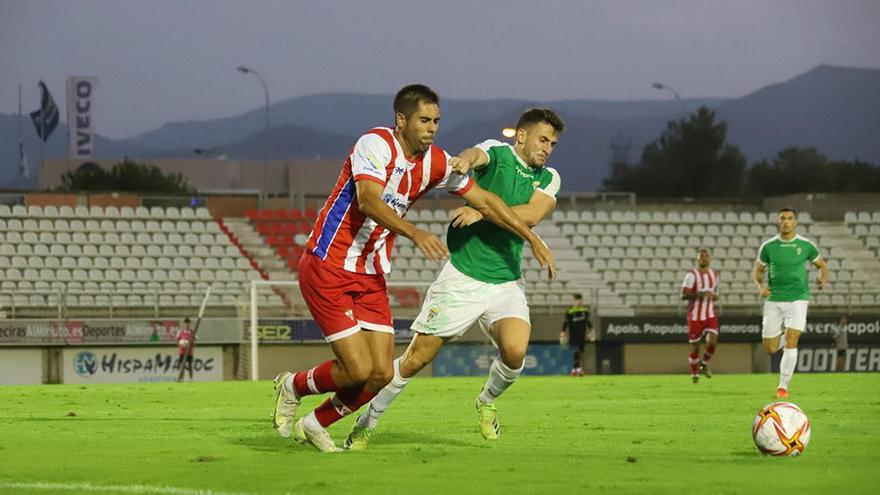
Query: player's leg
column 694, row 361
column 711, row 333
column 329, row 294
column 189, row 366
column 695, row 332
column 840, row 365
column 772, row 326
column 511, row 335
column 421, row 351
column 795, row 322
column 452, row 305
column 576, row 341
column 350, row 399
column 578, row 370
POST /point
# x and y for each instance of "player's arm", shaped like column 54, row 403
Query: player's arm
column 469, row 159
column 496, row 211
column 540, row 205
column 688, row 288
column 758, row 276
column 369, row 196
column 823, row 272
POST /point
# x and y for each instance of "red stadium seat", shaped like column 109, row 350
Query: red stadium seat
column 296, row 215
column 281, row 215
column 265, row 215
column 251, row 214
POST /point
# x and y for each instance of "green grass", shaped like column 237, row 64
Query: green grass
column 621, row 434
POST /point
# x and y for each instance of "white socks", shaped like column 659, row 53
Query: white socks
column 786, row 366
column 383, row 399
column 500, row 378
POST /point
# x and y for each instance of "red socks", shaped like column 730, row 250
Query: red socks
column 341, row 404
column 315, row 381
column 694, row 361
column 710, row 351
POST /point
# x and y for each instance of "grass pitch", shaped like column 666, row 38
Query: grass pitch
column 608, row 434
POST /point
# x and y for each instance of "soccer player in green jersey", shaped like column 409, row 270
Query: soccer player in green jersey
column 788, row 291
column 482, row 282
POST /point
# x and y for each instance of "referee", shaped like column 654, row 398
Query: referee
column 574, row 330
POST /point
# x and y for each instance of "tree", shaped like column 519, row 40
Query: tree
column 689, row 159
column 797, row 170
column 125, row 176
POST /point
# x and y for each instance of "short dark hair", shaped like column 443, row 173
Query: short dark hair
column 787, row 208
column 186, row 320
column 406, row 101
column 539, row 115
column 578, row 296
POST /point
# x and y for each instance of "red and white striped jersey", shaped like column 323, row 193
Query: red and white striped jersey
column 348, row 239
column 701, row 308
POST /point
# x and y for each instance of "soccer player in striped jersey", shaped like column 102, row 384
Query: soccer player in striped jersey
column 482, row 282
column 341, row 275
column 788, row 294
column 700, row 289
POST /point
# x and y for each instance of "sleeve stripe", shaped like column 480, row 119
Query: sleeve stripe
column 369, row 177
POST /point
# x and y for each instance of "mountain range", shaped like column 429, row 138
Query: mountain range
column 833, row 109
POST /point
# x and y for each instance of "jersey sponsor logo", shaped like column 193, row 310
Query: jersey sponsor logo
column 373, row 162
column 394, row 201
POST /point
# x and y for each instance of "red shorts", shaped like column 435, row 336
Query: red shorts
column 343, row 302
column 696, row 329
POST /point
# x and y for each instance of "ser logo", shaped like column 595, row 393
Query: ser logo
column 85, row 364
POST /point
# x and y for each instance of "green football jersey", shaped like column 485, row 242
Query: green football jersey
column 483, row 250
column 788, row 275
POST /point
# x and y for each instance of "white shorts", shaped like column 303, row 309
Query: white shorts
column 455, row 301
column 781, row 315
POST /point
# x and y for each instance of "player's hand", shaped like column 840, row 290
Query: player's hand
column 544, row 256
column 821, row 282
column 459, row 165
column 464, row 216
column 764, row 292
column 430, row 245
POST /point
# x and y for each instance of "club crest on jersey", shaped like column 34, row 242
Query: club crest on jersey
column 432, row 313
column 798, row 250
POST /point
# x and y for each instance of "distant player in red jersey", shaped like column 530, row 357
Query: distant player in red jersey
column 186, row 343
column 341, row 275
column 700, row 289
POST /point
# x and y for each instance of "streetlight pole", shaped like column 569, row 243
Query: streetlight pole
column 248, row 70
column 666, row 87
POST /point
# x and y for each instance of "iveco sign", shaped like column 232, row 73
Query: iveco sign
column 80, row 97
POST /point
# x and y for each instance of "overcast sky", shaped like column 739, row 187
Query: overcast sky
column 173, row 60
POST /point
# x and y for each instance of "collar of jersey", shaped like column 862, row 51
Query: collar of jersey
column 796, row 237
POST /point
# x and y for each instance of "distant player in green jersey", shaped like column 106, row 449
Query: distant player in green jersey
column 482, row 282
column 788, row 291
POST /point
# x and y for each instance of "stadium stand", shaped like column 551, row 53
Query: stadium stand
column 145, row 262
column 115, row 261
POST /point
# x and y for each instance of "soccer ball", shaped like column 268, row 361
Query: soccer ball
column 183, row 343
column 781, row 429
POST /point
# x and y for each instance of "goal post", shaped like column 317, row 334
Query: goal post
column 282, row 299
